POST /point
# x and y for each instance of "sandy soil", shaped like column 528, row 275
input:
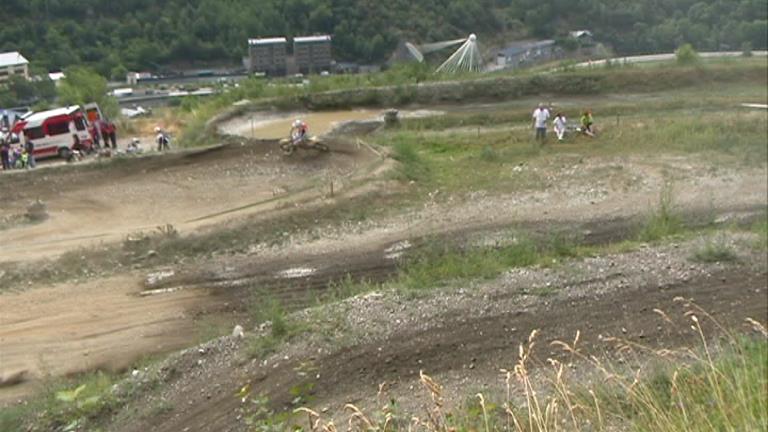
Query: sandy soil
column 102, row 324
column 97, row 204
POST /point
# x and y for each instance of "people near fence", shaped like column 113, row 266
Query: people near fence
column 559, row 126
column 162, row 139
column 29, row 146
column 5, row 153
column 587, row 124
column 113, row 137
column 540, row 117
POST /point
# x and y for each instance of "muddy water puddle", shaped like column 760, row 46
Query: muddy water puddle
column 277, row 125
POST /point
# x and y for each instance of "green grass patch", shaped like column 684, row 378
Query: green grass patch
column 663, row 221
column 760, row 228
column 66, row 404
column 725, row 393
column 714, row 250
column 282, row 328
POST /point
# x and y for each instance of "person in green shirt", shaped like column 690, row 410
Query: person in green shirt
column 586, row 123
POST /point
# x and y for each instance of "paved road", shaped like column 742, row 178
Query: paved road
column 668, row 56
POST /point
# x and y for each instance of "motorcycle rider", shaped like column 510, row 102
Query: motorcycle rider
column 298, row 131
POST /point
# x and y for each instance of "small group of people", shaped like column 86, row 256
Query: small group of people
column 19, row 156
column 106, row 132
column 559, row 123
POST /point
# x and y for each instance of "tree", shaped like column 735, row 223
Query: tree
column 82, row 85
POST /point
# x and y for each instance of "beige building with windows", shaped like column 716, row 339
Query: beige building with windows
column 13, row 63
column 268, row 55
column 312, row 53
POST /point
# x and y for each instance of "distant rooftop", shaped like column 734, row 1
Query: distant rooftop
column 267, row 41
column 305, row 39
column 56, row 76
column 579, row 33
column 13, row 58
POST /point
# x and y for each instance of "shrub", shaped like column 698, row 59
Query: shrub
column 687, row 55
column 746, row 49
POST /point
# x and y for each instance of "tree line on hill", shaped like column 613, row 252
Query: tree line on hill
column 113, row 37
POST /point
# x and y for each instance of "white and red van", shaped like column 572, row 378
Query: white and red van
column 53, row 132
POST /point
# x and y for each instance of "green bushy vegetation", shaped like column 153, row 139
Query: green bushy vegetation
column 137, row 34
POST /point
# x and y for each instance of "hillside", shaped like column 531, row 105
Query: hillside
column 145, row 34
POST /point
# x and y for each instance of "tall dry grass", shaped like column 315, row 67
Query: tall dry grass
column 718, row 385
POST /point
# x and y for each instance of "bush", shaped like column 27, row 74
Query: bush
column 687, row 55
column 746, row 49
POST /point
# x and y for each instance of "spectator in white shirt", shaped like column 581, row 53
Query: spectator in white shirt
column 540, row 117
column 559, row 126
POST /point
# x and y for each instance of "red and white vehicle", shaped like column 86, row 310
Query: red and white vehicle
column 53, row 132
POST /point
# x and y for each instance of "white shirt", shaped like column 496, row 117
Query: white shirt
column 559, row 123
column 541, row 115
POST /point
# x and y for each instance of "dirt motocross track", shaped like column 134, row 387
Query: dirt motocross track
column 105, row 323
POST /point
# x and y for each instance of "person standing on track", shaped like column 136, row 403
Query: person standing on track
column 162, row 140
column 559, row 124
column 30, row 147
column 5, row 153
column 540, row 117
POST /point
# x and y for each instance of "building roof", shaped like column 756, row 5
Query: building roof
column 13, row 58
column 523, row 46
column 56, row 76
column 267, row 41
column 306, row 39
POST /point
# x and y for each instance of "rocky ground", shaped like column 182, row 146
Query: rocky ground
column 462, row 334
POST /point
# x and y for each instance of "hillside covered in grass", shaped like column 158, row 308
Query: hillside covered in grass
column 142, row 34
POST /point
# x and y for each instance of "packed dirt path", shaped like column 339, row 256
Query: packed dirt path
column 100, row 325
column 92, row 204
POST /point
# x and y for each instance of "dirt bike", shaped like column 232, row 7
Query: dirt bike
column 289, row 145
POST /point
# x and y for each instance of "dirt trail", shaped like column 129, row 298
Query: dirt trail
column 104, row 324
column 93, row 204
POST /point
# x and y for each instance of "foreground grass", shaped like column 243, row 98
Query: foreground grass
column 64, row 404
column 710, row 387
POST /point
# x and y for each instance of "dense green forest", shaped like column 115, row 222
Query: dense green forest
column 113, row 36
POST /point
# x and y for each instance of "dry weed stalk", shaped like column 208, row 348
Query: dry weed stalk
column 313, row 418
column 436, row 415
column 756, row 326
column 358, row 417
column 485, row 412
